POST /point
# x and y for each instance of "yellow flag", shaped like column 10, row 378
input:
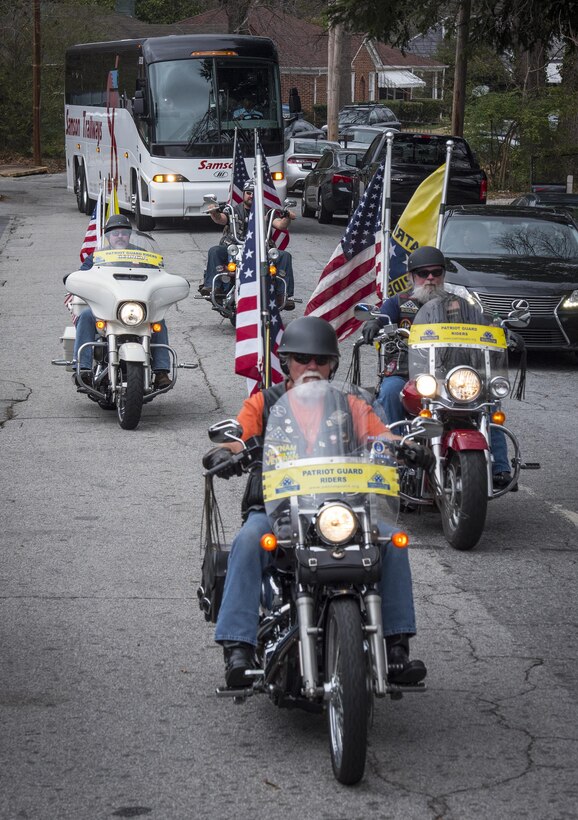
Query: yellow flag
column 112, row 207
column 416, row 226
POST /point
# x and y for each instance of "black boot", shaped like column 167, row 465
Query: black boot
column 238, row 658
column 400, row 668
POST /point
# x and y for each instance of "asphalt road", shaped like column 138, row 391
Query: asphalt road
column 107, row 667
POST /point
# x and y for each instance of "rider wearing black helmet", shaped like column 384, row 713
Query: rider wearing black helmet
column 426, row 267
column 309, row 351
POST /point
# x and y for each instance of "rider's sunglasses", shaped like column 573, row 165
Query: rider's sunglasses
column 425, row 274
column 305, row 358
column 119, row 233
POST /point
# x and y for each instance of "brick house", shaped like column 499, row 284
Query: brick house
column 372, row 70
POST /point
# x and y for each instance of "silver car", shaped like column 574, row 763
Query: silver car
column 301, row 156
column 361, row 136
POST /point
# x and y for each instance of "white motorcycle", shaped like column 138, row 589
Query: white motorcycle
column 129, row 294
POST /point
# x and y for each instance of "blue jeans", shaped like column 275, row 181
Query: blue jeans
column 239, row 613
column 390, row 400
column 85, row 332
column 218, row 257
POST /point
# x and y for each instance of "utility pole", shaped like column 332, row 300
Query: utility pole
column 335, row 42
column 36, row 83
column 459, row 96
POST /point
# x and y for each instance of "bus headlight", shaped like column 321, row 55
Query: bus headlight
column 336, row 523
column 169, row 178
column 500, row 387
column 464, row 384
column 426, row 385
column 131, row 313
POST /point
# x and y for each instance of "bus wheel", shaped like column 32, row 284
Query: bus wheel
column 143, row 223
column 82, row 198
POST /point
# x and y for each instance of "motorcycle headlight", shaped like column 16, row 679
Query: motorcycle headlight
column 131, row 313
column 336, row 523
column 464, row 384
column 500, row 387
column 232, row 250
column 426, row 385
column 273, row 254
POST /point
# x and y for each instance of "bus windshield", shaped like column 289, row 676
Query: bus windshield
column 196, row 102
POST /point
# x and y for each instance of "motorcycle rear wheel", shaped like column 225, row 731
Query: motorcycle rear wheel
column 130, row 399
column 465, row 502
column 348, row 708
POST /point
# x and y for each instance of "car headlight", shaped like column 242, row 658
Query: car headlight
column 336, row 523
column 464, row 384
column 426, row 385
column 131, row 313
column 571, row 301
column 500, row 387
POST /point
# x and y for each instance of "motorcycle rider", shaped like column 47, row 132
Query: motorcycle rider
column 217, row 256
column 427, row 268
column 117, row 232
column 308, row 351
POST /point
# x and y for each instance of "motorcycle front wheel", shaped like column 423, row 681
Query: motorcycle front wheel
column 130, row 397
column 465, row 499
column 346, row 672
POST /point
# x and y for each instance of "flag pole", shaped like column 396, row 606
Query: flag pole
column 449, row 150
column 386, row 215
column 261, row 266
column 233, row 168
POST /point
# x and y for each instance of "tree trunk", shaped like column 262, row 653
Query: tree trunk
column 461, row 70
column 237, row 12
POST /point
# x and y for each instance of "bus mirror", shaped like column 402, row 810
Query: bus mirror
column 138, row 104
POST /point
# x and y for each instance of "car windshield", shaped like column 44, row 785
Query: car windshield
column 352, row 116
column 498, row 236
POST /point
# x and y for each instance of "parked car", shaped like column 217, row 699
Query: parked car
column 328, row 188
column 301, row 155
column 414, row 157
column 549, row 199
column 361, row 136
column 297, row 128
column 507, row 256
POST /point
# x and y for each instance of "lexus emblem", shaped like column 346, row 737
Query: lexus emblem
column 520, row 304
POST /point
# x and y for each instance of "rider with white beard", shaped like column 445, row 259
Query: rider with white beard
column 426, row 267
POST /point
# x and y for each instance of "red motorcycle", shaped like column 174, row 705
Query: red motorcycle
column 458, row 375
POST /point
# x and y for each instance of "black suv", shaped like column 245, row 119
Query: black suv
column 415, row 157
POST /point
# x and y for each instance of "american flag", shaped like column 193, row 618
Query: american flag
column 350, row 275
column 91, row 240
column 249, row 342
column 271, row 199
column 240, row 175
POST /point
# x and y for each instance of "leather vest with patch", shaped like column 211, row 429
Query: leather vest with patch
column 398, row 364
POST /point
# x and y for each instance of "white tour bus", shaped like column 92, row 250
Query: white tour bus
column 158, row 115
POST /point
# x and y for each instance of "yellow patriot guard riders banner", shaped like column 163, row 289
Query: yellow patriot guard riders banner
column 342, row 477
column 448, row 335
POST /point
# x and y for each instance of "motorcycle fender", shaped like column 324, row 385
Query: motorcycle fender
column 465, row 440
column 132, row 352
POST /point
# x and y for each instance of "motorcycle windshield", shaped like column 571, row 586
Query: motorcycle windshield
column 449, row 334
column 325, row 446
column 124, row 248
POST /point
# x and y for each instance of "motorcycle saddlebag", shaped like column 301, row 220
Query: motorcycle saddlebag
column 336, row 565
column 214, row 570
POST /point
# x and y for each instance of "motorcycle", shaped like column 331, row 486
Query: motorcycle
column 458, row 375
column 332, row 501
column 225, row 285
column 129, row 294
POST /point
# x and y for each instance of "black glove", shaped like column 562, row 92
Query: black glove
column 516, row 343
column 222, row 459
column 416, row 455
column 370, row 330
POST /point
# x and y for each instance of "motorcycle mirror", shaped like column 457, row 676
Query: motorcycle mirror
column 224, row 431
column 364, row 312
column 518, row 318
column 426, row 428
column 290, row 203
column 210, row 199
